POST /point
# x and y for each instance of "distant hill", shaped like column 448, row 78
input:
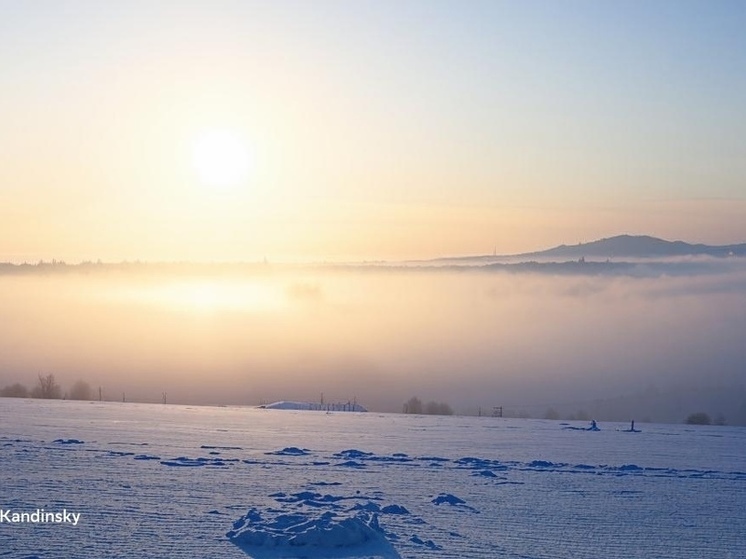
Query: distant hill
column 636, row 246
column 613, row 248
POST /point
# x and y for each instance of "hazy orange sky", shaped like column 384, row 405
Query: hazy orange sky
column 366, row 130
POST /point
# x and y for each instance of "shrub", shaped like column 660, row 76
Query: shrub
column 414, row 405
column 699, row 418
column 438, row 408
column 81, row 390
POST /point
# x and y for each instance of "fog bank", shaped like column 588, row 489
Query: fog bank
column 471, row 338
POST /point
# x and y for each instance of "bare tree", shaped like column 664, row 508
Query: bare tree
column 81, row 390
column 413, row 405
column 47, row 388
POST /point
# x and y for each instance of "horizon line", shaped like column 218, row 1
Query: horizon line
column 264, row 261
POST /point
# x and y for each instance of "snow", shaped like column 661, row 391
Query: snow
column 314, row 406
column 187, row 482
column 311, row 525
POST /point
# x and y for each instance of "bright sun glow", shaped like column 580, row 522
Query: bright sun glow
column 222, row 159
column 208, row 296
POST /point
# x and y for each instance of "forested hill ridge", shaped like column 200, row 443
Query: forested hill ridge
column 615, row 248
column 637, row 246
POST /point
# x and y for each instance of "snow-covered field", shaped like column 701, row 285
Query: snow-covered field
column 199, row 482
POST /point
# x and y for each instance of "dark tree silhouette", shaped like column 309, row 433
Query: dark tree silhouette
column 16, row 390
column 47, row 388
column 699, row 418
column 81, row 390
column 413, row 405
column 551, row 413
column 438, row 408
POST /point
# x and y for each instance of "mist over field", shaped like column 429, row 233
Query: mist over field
column 616, row 346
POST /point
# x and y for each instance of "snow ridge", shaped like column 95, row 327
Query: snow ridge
column 312, row 525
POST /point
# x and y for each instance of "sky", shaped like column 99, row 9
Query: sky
column 335, row 131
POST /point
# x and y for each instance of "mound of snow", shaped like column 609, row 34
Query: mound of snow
column 353, row 453
column 290, row 451
column 452, row 500
column 394, row 509
column 485, row 473
column 630, row 468
column 67, row 441
column 449, row 499
column 311, row 534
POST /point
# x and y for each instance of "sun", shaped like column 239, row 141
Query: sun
column 221, row 158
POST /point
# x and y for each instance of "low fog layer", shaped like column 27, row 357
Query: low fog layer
column 643, row 347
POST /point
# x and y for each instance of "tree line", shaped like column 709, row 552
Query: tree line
column 415, row 406
column 47, row 388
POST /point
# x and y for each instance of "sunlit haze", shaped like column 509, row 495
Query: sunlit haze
column 239, row 202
